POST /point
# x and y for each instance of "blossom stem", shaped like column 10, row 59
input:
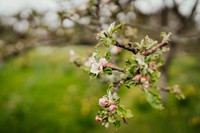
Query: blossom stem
column 134, row 50
column 117, row 69
column 150, row 51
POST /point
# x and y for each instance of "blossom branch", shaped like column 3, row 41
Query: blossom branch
column 117, row 69
column 150, row 51
column 134, row 50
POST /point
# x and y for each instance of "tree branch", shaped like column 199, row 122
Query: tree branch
column 129, row 48
column 117, row 69
column 150, row 51
column 176, row 11
column 193, row 11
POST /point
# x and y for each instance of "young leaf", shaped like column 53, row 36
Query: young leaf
column 107, row 70
column 154, row 100
column 108, row 55
column 128, row 83
column 111, row 119
column 118, row 27
column 123, row 112
column 117, row 123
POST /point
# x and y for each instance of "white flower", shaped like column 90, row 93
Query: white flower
column 96, row 68
column 73, row 55
column 89, row 62
column 111, row 27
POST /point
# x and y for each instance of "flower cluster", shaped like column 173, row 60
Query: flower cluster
column 97, row 64
column 141, row 69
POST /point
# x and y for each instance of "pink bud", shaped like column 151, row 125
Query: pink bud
column 103, row 101
column 112, row 107
column 98, row 119
column 138, row 77
column 147, row 77
column 155, row 68
column 103, row 61
column 152, row 64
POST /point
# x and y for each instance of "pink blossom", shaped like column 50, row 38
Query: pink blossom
column 138, row 77
column 112, row 107
column 89, row 62
column 147, row 77
column 103, row 101
column 152, row 65
column 103, row 61
column 98, row 119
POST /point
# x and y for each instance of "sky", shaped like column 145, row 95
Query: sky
column 11, row 7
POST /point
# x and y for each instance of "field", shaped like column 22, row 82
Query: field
column 41, row 92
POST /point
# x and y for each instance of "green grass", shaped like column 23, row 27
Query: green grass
column 41, row 92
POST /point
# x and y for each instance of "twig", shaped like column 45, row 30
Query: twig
column 193, row 11
column 117, row 69
column 150, row 51
column 134, row 50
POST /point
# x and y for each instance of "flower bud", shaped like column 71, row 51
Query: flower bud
column 147, row 77
column 112, row 107
column 103, row 101
column 138, row 77
column 143, row 79
column 152, row 64
column 155, row 68
column 146, row 85
column 98, row 119
column 103, row 61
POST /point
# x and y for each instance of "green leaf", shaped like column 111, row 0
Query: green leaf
column 123, row 112
column 107, row 70
column 154, row 100
column 128, row 83
column 111, row 119
column 93, row 76
column 128, row 62
column 108, row 55
column 96, row 57
column 118, row 27
column 166, row 37
column 117, row 123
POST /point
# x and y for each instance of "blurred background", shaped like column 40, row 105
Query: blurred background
column 41, row 92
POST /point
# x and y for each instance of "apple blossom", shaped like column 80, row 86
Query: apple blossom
column 112, row 107
column 146, row 85
column 138, row 77
column 103, row 61
column 103, row 101
column 137, row 71
column 152, row 65
column 96, row 68
column 147, row 77
column 89, row 62
column 98, row 119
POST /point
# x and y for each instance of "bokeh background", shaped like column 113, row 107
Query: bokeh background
column 41, row 92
